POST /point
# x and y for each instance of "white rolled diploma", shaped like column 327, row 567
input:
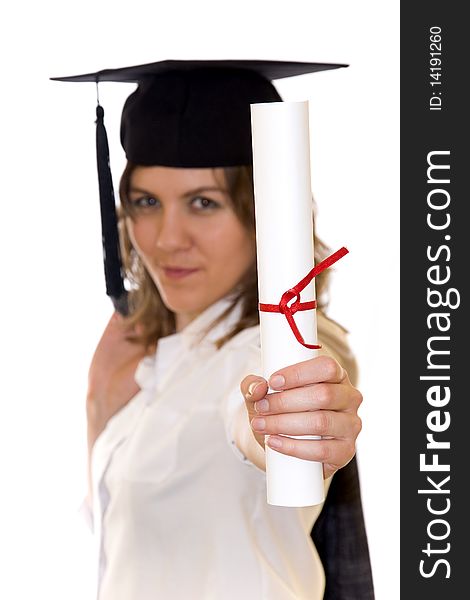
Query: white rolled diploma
column 284, row 240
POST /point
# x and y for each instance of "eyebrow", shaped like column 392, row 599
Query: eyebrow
column 198, row 190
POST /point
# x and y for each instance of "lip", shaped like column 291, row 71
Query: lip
column 177, row 272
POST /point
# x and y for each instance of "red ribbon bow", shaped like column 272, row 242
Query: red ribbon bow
column 289, row 311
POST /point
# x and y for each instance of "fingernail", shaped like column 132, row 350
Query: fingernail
column 258, row 424
column 274, row 442
column 252, row 387
column 262, row 405
column 277, row 381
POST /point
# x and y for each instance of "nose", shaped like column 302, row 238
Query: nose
column 173, row 233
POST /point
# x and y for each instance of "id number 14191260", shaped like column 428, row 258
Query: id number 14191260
column 435, row 67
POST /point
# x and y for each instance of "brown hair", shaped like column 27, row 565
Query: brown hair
column 147, row 310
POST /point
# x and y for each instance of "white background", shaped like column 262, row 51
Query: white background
column 53, row 305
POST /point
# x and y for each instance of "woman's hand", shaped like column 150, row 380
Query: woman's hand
column 111, row 382
column 315, row 398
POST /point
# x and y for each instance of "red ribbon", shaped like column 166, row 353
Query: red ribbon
column 289, row 311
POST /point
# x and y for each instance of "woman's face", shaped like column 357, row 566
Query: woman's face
column 187, row 235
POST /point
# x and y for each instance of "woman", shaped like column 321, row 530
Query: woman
column 177, row 410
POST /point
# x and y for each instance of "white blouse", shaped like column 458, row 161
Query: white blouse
column 178, row 511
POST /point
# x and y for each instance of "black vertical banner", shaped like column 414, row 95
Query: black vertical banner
column 435, row 340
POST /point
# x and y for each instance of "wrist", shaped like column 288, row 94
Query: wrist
column 245, row 440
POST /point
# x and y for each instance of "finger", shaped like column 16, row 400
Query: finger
column 314, row 370
column 339, row 425
column 253, row 388
column 334, row 454
column 324, row 396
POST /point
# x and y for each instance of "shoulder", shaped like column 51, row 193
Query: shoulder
column 246, row 345
column 242, row 353
column 248, row 338
column 334, row 341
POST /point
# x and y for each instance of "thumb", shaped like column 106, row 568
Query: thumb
column 254, row 388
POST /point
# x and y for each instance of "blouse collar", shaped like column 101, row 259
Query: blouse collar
column 196, row 332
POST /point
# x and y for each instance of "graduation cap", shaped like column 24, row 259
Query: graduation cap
column 184, row 113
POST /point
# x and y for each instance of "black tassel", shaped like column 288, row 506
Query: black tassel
column 109, row 231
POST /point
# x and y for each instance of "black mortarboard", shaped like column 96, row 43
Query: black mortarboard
column 183, row 114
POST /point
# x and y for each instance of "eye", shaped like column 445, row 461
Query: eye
column 144, row 202
column 203, row 203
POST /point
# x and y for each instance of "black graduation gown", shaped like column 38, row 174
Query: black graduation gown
column 340, row 537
